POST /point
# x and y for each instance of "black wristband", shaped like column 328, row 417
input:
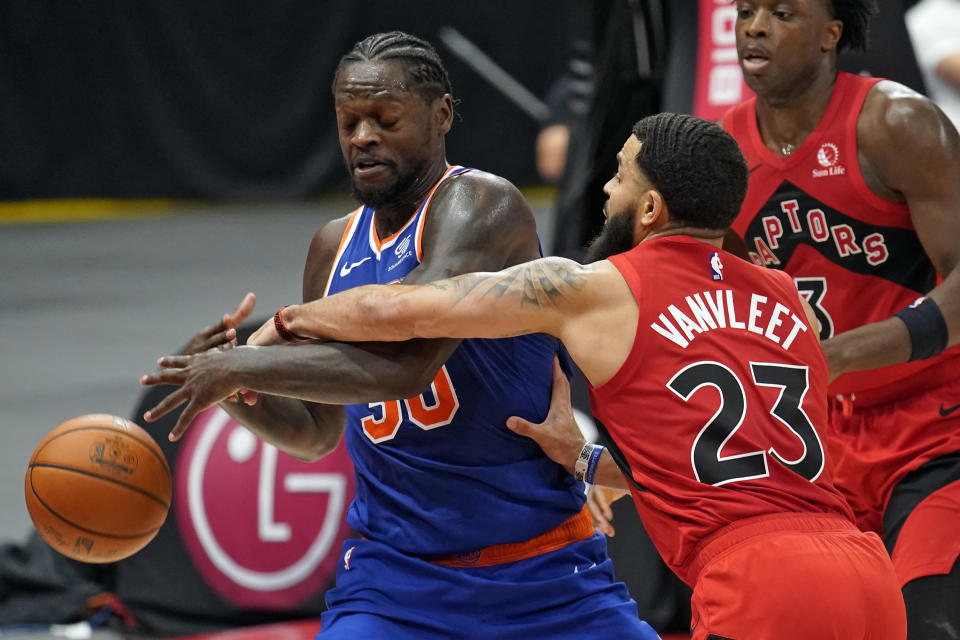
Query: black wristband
column 928, row 329
column 282, row 330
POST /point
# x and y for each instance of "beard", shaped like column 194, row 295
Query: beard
column 615, row 237
column 393, row 191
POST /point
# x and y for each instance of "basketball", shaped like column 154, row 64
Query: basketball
column 98, row 488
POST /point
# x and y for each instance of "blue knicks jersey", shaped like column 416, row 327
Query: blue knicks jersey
column 440, row 472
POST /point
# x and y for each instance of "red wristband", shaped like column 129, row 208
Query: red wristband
column 282, row 330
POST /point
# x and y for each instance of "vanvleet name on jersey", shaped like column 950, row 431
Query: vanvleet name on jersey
column 725, row 309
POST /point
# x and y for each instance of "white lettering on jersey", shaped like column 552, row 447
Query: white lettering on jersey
column 712, row 310
column 818, row 229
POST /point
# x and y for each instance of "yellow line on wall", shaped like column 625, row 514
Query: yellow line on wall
column 67, row 210
column 81, row 210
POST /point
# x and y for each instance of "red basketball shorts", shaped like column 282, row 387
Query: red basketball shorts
column 796, row 577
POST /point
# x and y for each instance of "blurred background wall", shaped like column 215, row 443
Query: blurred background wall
column 170, row 98
column 173, row 98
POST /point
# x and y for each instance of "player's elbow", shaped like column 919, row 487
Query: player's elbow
column 318, row 437
column 416, row 372
column 312, row 453
column 319, row 446
column 410, row 381
column 413, row 385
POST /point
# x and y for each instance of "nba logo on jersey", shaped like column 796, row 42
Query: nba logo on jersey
column 716, row 267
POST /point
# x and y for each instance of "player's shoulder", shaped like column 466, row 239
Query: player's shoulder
column 333, row 230
column 326, row 239
column 895, row 109
column 900, row 124
column 477, row 183
column 482, row 197
column 324, row 247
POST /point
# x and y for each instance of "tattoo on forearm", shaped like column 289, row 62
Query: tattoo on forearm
column 541, row 283
column 547, row 282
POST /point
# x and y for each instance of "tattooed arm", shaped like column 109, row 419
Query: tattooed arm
column 589, row 307
column 527, row 298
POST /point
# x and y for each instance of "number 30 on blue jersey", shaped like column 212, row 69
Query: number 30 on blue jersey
column 439, row 413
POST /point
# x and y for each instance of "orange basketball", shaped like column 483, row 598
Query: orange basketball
column 98, row 488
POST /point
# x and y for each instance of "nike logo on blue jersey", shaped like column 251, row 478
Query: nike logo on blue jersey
column 345, row 270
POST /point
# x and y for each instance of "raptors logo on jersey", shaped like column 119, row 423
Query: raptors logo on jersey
column 792, row 218
column 844, row 244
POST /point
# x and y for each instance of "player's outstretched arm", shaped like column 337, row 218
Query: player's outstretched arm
column 534, row 297
column 914, row 151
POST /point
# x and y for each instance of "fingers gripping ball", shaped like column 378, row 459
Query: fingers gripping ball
column 98, row 488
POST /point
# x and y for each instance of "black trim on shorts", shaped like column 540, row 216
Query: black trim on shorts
column 932, row 613
column 913, row 489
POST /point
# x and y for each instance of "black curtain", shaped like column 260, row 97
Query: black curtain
column 159, row 98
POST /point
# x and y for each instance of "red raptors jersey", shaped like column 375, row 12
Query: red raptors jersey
column 854, row 256
column 717, row 407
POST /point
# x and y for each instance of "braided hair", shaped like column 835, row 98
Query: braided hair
column 421, row 61
column 696, row 166
column 855, row 15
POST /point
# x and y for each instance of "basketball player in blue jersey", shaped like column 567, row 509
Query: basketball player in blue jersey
column 467, row 530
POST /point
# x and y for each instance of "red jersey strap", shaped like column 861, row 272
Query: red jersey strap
column 623, row 263
column 735, row 123
column 858, row 86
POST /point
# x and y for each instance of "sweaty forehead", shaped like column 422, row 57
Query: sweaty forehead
column 372, row 79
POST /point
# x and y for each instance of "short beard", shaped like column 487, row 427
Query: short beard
column 391, row 193
column 615, row 237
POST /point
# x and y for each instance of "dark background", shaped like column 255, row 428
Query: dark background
column 218, row 98
column 231, row 99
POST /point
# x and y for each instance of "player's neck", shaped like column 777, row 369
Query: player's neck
column 710, row 236
column 786, row 121
column 390, row 217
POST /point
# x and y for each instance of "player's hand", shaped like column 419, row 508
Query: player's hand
column 204, row 379
column 558, row 435
column 222, row 335
column 599, row 500
column 266, row 335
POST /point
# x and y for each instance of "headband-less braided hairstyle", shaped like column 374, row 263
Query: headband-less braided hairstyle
column 855, row 16
column 696, row 166
column 420, row 60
